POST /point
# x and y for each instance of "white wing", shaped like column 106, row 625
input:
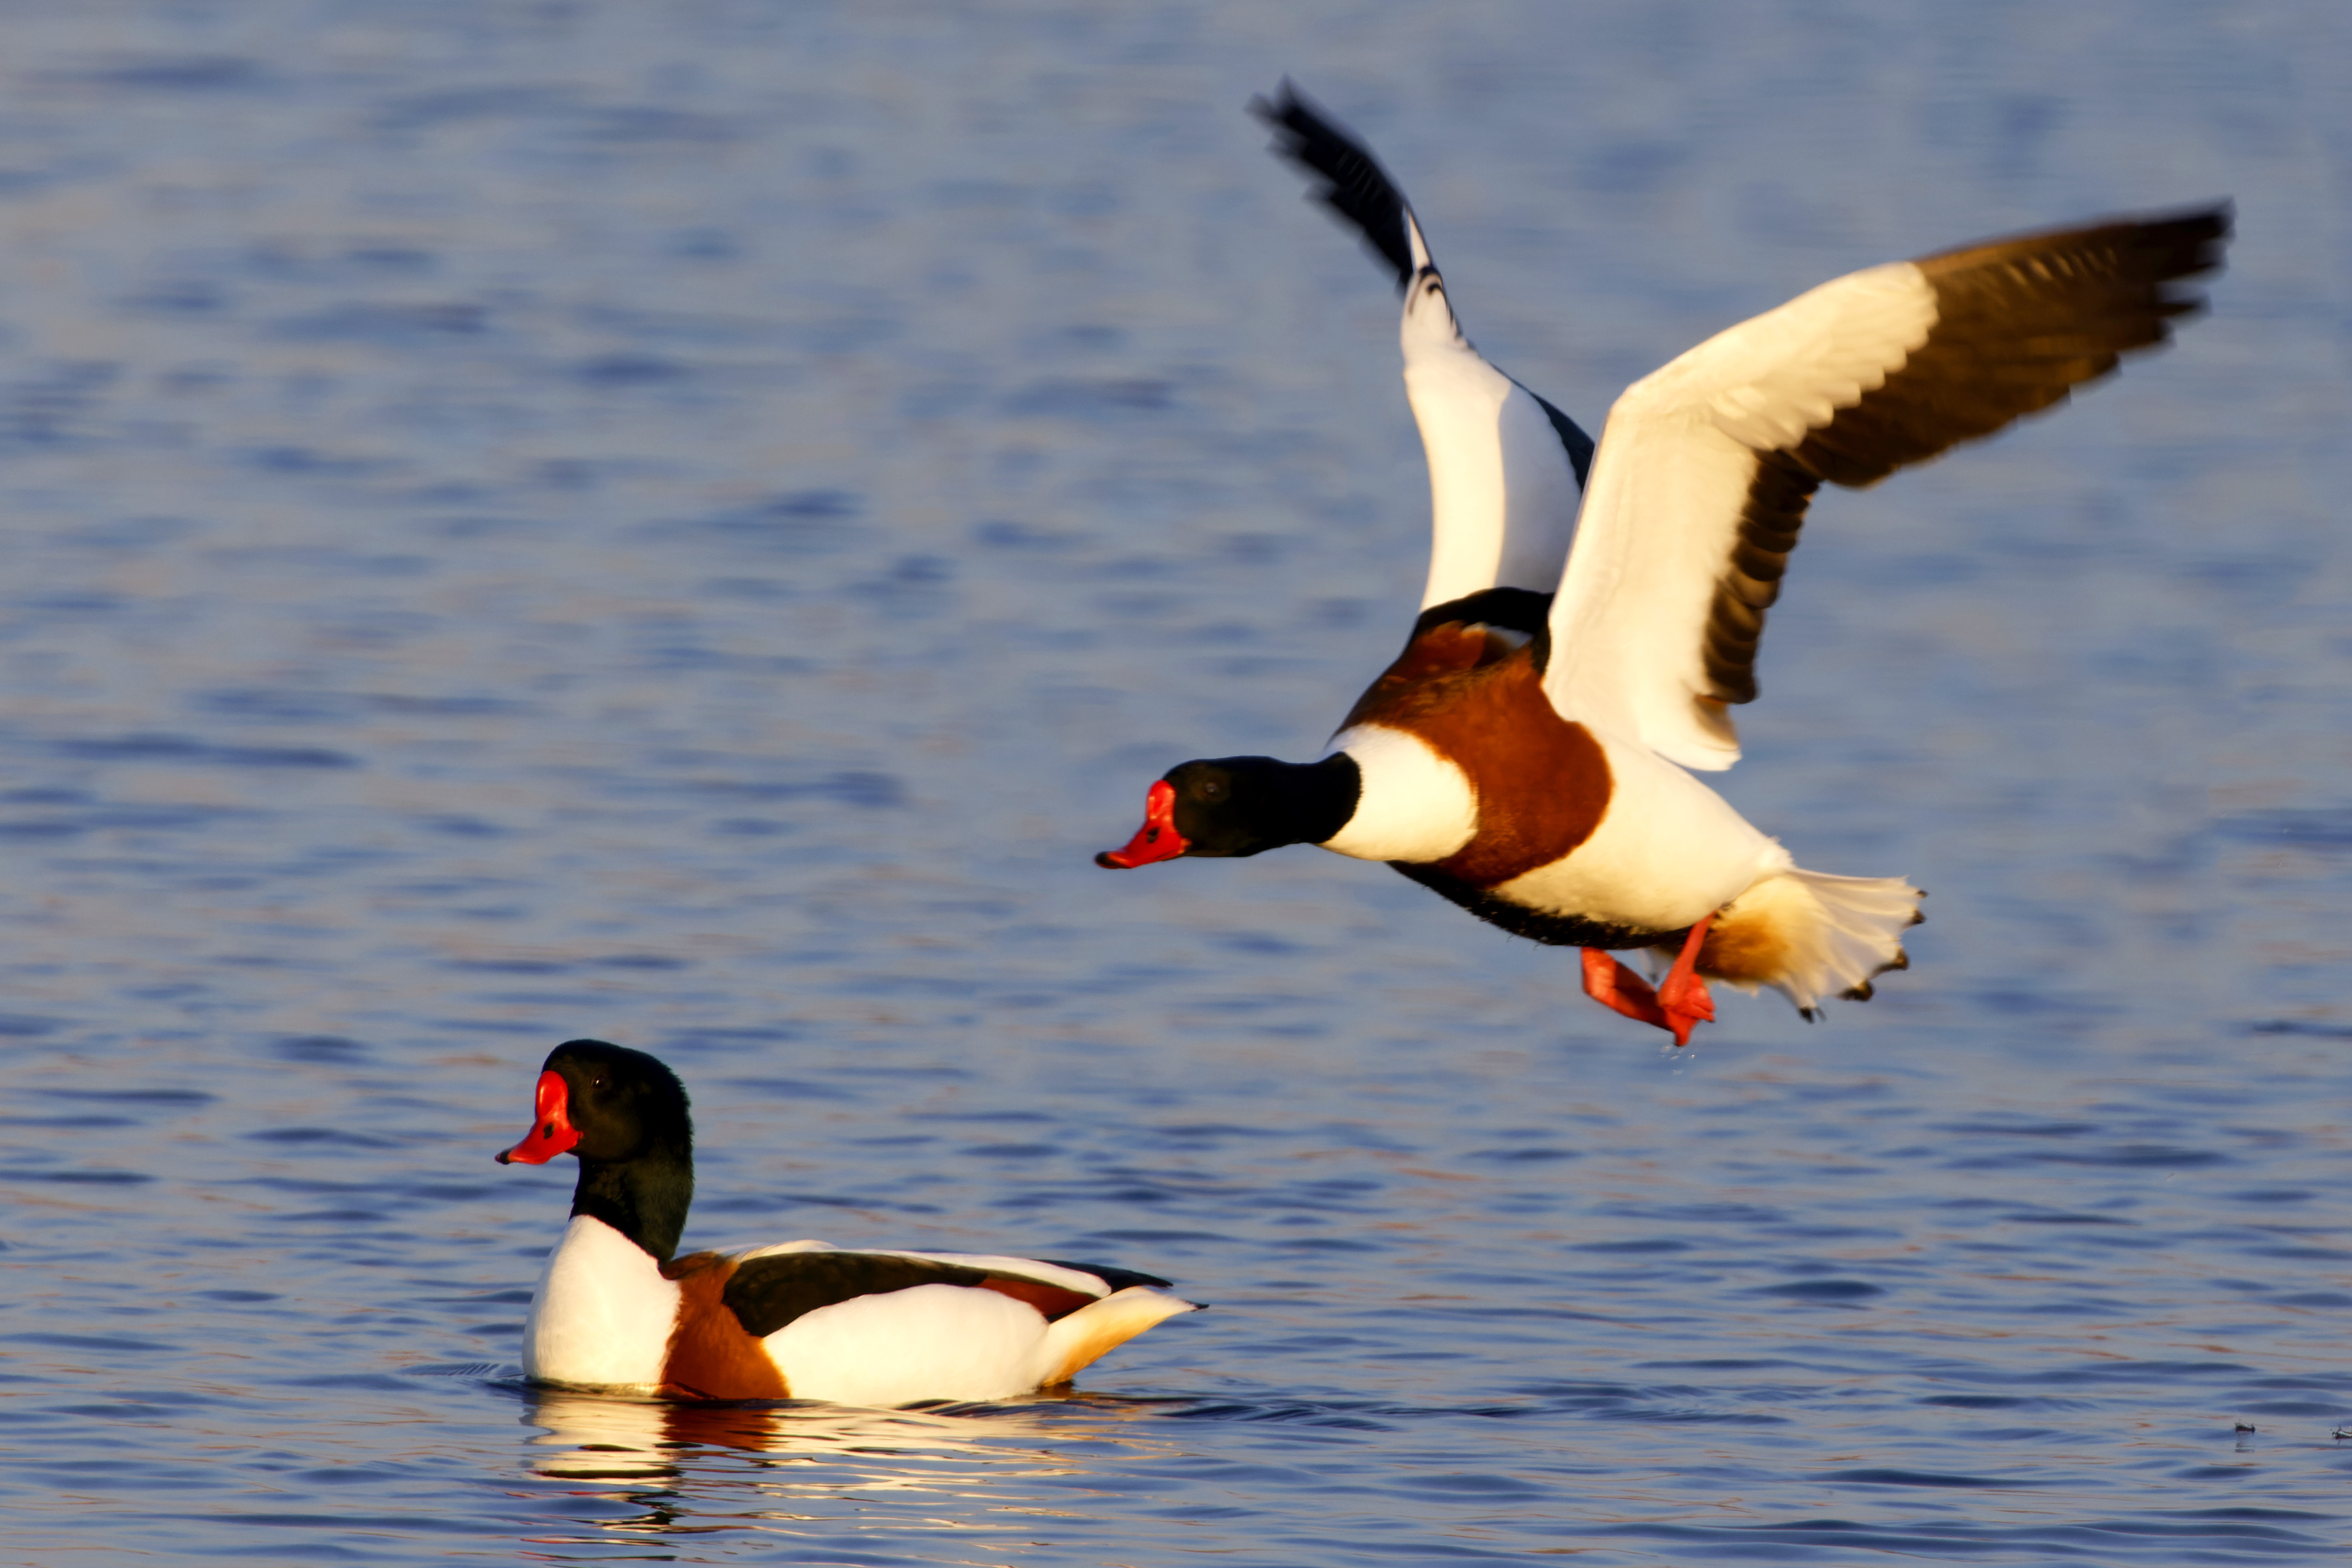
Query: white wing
column 1677, row 462
column 1503, row 478
column 1706, row 466
column 1505, row 466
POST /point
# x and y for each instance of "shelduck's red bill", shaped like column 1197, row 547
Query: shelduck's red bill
column 1157, row 839
column 552, row 1133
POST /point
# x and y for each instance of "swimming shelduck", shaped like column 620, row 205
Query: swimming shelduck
column 617, row 1308
column 1527, row 755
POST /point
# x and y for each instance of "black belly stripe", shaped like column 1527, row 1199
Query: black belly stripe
column 1553, row 930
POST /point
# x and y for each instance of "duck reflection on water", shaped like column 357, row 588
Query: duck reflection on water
column 775, row 1464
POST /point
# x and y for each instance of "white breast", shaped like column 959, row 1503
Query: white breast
column 603, row 1313
column 1415, row 805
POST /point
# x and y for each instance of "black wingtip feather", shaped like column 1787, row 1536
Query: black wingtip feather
column 1355, row 185
column 1117, row 1279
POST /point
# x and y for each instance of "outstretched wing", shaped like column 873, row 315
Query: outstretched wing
column 1706, row 465
column 1505, row 466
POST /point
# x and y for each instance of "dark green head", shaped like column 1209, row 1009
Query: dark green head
column 1225, row 807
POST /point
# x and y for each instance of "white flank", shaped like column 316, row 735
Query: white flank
column 1668, row 482
column 1415, row 805
column 1669, row 850
column 933, row 1342
column 603, row 1313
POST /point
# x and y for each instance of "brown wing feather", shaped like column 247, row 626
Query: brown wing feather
column 1768, row 523
column 2020, row 323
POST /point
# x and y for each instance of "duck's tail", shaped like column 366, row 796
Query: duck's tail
column 1075, row 1342
column 1810, row 935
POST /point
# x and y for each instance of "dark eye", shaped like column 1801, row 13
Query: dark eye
column 1211, row 790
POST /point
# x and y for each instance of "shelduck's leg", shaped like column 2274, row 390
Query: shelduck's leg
column 1617, row 987
column 1682, row 996
column 1680, row 1002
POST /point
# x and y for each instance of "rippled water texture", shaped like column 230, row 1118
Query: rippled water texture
column 691, row 523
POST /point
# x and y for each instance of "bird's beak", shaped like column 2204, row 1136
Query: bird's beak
column 1157, row 839
column 551, row 1132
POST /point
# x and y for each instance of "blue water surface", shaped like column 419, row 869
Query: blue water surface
column 689, row 524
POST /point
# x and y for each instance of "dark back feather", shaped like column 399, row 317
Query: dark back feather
column 767, row 1293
